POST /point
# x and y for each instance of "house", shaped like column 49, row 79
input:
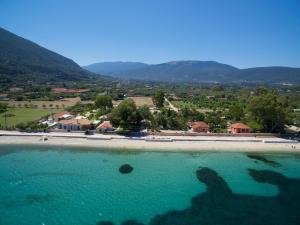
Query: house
column 104, row 117
column 236, row 128
column 74, row 124
column 4, row 97
column 199, row 126
column 210, row 97
column 61, row 116
column 105, row 127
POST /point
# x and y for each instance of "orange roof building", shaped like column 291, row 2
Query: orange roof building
column 199, row 126
column 239, row 128
column 105, row 126
column 75, row 124
column 61, row 115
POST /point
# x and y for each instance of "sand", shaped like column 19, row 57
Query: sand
column 182, row 144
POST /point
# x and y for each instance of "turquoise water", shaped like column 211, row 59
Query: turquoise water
column 51, row 185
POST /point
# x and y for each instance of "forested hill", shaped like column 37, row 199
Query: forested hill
column 22, row 61
column 193, row 71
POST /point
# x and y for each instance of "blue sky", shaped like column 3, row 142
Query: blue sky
column 243, row 33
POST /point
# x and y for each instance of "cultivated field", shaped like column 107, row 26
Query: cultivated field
column 140, row 101
column 19, row 115
column 59, row 104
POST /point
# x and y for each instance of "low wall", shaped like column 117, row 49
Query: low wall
column 215, row 134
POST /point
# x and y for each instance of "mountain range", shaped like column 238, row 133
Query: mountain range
column 22, row 60
column 193, row 71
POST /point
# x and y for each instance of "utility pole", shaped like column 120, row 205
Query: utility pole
column 5, row 120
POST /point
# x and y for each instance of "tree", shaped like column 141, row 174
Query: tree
column 236, row 112
column 103, row 101
column 267, row 111
column 126, row 115
column 158, row 99
column 3, row 107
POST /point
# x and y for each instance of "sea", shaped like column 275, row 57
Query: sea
column 42, row 185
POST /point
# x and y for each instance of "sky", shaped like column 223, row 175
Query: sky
column 242, row 33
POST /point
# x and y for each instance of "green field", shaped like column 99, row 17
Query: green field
column 23, row 115
column 181, row 105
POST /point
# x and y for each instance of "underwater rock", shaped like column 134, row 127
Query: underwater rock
column 131, row 222
column 105, row 223
column 125, row 168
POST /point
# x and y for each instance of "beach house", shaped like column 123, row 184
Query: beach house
column 61, row 116
column 199, row 126
column 236, row 128
column 74, row 124
column 105, row 126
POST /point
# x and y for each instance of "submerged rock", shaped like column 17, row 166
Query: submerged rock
column 125, row 168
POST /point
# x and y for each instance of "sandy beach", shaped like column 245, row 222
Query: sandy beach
column 115, row 142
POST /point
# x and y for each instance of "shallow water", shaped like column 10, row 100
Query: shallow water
column 51, row 186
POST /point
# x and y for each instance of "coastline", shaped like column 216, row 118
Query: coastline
column 176, row 144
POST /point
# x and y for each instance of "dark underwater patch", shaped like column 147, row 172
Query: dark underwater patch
column 264, row 159
column 125, row 168
column 220, row 206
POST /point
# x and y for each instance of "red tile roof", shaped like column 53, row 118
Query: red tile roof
column 71, row 91
column 75, row 122
column 105, row 125
column 60, row 114
column 239, row 126
column 199, row 124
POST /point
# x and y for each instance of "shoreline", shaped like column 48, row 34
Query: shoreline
column 181, row 144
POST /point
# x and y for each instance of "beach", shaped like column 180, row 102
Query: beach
column 153, row 143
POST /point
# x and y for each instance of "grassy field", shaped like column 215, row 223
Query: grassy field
column 181, row 105
column 23, row 115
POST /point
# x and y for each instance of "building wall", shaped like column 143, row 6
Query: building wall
column 240, row 130
column 69, row 126
column 200, row 130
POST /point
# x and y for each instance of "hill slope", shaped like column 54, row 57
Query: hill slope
column 201, row 72
column 22, row 60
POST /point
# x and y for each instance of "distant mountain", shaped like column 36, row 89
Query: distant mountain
column 22, row 60
column 272, row 74
column 115, row 68
column 197, row 72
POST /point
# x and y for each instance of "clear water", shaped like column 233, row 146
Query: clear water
column 51, row 185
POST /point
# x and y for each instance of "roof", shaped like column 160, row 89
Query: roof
column 105, row 125
column 60, row 114
column 104, row 116
column 81, row 122
column 239, row 126
column 199, row 124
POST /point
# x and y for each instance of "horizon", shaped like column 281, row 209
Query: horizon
column 241, row 34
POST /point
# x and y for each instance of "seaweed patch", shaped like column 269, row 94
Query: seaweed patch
column 219, row 205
